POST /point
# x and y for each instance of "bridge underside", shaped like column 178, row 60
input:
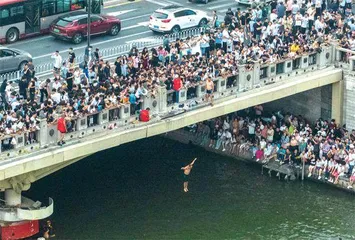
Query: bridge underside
column 23, row 182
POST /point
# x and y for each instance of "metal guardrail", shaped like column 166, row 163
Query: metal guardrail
column 107, row 53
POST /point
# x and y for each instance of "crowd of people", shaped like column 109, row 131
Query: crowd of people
column 243, row 37
column 326, row 149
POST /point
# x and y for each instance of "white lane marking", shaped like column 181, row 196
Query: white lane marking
column 111, row 1
column 147, row 39
column 132, row 18
column 164, row 4
column 120, row 12
column 141, row 24
column 218, row 2
column 25, row 42
column 221, row 6
column 98, row 43
column 173, row 2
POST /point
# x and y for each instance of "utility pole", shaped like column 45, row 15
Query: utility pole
column 89, row 21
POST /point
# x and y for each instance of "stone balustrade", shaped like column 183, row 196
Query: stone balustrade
column 161, row 104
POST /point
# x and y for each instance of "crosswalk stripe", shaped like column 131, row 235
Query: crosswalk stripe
column 164, row 4
column 120, row 12
column 221, row 6
column 141, row 24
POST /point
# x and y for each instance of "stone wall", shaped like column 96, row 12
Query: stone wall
column 312, row 104
column 349, row 102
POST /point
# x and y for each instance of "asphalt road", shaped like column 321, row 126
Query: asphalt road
column 134, row 17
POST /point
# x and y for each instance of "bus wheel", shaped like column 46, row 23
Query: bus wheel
column 12, row 35
column 77, row 38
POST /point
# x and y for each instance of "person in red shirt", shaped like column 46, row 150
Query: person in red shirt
column 62, row 129
column 144, row 115
column 177, row 84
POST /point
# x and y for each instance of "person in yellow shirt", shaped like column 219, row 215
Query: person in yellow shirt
column 294, row 47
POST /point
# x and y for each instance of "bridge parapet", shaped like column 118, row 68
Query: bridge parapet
column 162, row 105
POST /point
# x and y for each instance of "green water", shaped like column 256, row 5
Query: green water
column 135, row 192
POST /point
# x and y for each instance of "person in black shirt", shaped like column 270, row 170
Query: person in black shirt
column 97, row 54
column 27, row 73
column 257, row 29
column 118, row 69
column 23, row 85
column 230, row 12
column 69, row 79
column 169, row 83
column 243, row 19
column 71, row 57
column 273, row 5
column 32, row 89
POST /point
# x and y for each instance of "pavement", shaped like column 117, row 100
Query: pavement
column 135, row 18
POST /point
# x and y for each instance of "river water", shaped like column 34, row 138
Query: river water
column 135, row 191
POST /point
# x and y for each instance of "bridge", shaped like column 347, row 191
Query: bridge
column 29, row 162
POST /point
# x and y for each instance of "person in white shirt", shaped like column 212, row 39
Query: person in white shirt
column 226, row 139
column 55, row 96
column 56, row 85
column 262, row 143
column 251, row 131
column 225, row 38
column 57, row 61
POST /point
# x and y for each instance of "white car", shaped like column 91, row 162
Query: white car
column 174, row 18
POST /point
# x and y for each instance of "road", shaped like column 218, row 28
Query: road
column 134, row 17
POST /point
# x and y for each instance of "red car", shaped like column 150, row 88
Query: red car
column 73, row 27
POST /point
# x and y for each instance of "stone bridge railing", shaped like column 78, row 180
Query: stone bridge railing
column 162, row 106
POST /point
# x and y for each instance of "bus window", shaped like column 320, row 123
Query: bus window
column 4, row 16
column 78, row 4
column 48, row 8
column 16, row 11
column 5, row 13
column 63, row 6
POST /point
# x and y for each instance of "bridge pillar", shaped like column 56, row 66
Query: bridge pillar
column 182, row 95
column 304, row 61
column 337, row 101
column 324, row 58
column 256, row 75
column 43, row 132
column 125, row 113
column 200, row 91
column 162, row 99
column 103, row 117
column 12, row 198
column 271, row 72
column 245, row 78
column 288, row 66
